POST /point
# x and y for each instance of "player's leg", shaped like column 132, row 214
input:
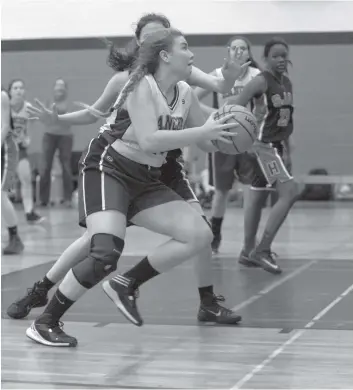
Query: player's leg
column 8, row 213
column 254, row 199
column 174, row 177
column 25, row 177
column 103, row 204
column 163, row 212
column 223, row 173
column 275, row 172
column 37, row 295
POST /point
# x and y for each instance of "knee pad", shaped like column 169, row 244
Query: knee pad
column 103, row 258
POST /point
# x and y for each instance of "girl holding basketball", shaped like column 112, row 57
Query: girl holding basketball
column 172, row 174
column 119, row 176
column 270, row 168
column 224, row 165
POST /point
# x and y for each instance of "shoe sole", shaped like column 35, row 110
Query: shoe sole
column 114, row 297
column 271, row 270
column 247, row 262
column 234, row 321
column 32, row 334
column 40, row 220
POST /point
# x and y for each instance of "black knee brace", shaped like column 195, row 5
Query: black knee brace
column 103, row 258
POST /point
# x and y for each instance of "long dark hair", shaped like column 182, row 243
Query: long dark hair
column 121, row 60
column 253, row 63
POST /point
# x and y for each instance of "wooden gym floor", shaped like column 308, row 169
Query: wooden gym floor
column 297, row 329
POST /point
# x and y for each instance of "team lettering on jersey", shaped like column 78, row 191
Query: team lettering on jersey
column 284, row 113
column 168, row 122
column 236, row 90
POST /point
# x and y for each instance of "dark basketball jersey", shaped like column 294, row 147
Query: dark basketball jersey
column 278, row 123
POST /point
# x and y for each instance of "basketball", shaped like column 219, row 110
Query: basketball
column 246, row 130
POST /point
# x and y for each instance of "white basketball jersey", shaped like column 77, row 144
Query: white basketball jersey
column 20, row 124
column 168, row 117
column 238, row 86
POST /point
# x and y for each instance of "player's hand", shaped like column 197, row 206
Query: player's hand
column 42, row 113
column 234, row 68
column 216, row 129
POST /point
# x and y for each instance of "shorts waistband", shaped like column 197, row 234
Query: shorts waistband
column 108, row 139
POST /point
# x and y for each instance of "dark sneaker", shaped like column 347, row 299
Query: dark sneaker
column 245, row 260
column 33, row 217
column 15, row 246
column 47, row 331
column 211, row 311
column 36, row 297
column 265, row 260
column 216, row 243
column 121, row 291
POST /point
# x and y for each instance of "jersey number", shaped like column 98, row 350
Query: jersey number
column 284, row 117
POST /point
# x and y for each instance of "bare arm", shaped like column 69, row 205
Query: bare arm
column 104, row 102
column 83, row 117
column 5, row 116
column 254, row 89
column 197, row 117
column 211, row 82
column 202, row 92
column 144, row 119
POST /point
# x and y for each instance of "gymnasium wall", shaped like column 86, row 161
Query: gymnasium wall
column 321, row 74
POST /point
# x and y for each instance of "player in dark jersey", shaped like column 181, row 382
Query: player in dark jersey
column 9, row 158
column 270, row 168
column 172, row 174
column 119, row 179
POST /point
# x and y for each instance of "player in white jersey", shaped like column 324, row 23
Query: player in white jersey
column 224, row 166
column 9, row 158
column 19, row 117
column 172, row 175
column 119, row 174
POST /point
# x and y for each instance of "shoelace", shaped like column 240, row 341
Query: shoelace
column 271, row 255
column 55, row 324
column 220, row 298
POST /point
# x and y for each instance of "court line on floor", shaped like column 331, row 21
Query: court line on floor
column 273, row 285
column 290, row 341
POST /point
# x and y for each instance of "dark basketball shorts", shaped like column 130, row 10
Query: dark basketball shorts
column 9, row 161
column 110, row 181
column 223, row 166
column 174, row 177
column 271, row 168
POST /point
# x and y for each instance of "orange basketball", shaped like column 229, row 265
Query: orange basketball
column 246, row 130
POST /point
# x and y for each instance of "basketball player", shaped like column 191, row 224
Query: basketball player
column 224, row 165
column 271, row 170
column 123, row 164
column 20, row 123
column 172, row 175
column 9, row 157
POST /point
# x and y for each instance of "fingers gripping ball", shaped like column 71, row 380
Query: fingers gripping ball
column 246, row 130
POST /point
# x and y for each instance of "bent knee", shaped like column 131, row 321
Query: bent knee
column 199, row 233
